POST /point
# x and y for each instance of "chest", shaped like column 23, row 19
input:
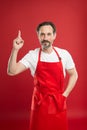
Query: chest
column 49, row 57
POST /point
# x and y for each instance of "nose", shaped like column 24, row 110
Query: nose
column 45, row 37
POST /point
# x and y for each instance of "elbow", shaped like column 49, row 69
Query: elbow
column 10, row 73
column 76, row 75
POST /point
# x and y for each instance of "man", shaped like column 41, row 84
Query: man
column 48, row 65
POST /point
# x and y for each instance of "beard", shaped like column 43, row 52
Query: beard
column 45, row 44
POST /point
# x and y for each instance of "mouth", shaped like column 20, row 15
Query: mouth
column 45, row 42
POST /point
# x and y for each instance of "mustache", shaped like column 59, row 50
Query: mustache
column 45, row 41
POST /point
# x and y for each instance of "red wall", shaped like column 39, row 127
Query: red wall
column 70, row 17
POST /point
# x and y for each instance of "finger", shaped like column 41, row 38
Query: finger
column 19, row 34
column 19, row 42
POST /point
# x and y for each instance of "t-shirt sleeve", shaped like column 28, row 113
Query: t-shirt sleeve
column 69, row 61
column 25, row 60
column 30, row 59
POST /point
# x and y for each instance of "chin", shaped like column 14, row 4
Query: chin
column 45, row 47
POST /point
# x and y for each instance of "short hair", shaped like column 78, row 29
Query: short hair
column 46, row 23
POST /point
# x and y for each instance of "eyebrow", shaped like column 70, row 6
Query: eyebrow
column 47, row 33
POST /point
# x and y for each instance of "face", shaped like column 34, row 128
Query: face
column 46, row 36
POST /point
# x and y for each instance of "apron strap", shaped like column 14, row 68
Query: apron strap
column 54, row 50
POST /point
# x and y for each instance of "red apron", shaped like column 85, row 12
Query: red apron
column 48, row 109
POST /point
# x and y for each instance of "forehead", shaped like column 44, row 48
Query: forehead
column 46, row 29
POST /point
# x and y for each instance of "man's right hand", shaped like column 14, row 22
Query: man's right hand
column 15, row 67
column 18, row 42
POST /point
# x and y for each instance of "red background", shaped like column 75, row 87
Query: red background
column 70, row 18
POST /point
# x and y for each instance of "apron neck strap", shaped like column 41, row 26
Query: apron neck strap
column 53, row 49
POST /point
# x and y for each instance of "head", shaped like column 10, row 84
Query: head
column 46, row 32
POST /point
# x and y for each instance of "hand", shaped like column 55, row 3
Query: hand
column 18, row 42
column 65, row 94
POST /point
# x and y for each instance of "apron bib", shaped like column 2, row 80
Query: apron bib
column 48, row 109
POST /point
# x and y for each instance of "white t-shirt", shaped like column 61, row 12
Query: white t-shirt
column 31, row 58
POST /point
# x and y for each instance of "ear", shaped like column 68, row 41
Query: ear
column 37, row 34
column 54, row 36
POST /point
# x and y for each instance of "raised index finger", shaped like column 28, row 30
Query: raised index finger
column 19, row 34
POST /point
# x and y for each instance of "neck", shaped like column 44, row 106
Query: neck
column 48, row 50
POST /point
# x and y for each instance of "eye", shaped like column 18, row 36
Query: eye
column 49, row 34
column 42, row 34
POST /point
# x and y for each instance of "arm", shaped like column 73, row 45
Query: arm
column 73, row 76
column 15, row 67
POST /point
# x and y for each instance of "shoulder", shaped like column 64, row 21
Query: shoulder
column 35, row 51
column 30, row 58
column 66, row 58
column 62, row 52
column 31, row 54
column 65, row 55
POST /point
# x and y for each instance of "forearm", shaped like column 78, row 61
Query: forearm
column 12, row 63
column 15, row 67
column 71, row 84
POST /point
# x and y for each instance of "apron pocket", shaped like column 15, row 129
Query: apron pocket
column 61, row 102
